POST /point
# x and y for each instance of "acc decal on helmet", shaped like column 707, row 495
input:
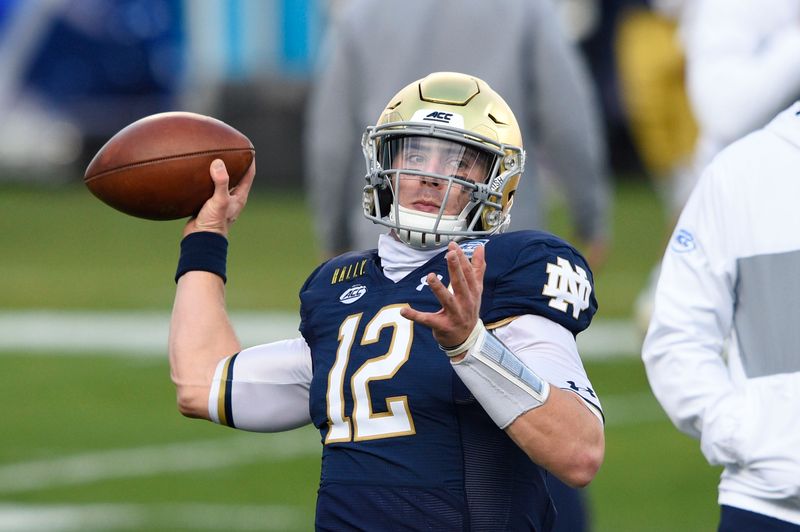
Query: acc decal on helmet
column 454, row 135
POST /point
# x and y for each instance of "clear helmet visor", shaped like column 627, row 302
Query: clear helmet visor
column 433, row 181
column 435, row 176
column 437, row 158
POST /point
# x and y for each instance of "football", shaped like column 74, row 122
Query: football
column 158, row 167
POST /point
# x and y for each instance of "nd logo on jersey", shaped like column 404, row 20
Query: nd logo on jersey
column 566, row 286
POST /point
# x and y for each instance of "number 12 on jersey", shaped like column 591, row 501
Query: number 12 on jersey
column 364, row 424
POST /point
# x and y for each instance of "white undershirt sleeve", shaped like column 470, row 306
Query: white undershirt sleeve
column 263, row 388
column 550, row 350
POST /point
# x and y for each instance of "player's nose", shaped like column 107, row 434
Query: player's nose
column 431, row 181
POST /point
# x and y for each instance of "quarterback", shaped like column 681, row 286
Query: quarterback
column 441, row 368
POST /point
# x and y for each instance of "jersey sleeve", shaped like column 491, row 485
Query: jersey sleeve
column 528, row 273
column 263, row 388
column 550, row 350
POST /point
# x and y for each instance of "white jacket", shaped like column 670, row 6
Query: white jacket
column 742, row 66
column 723, row 349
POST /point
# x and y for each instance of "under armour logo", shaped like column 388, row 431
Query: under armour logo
column 577, row 388
column 423, row 282
column 566, row 286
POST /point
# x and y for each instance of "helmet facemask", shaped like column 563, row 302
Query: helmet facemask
column 433, row 183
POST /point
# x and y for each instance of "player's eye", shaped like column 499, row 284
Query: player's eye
column 415, row 159
column 454, row 165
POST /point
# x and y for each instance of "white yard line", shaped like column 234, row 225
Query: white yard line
column 120, row 332
column 79, row 469
column 85, row 468
column 117, row 333
column 91, row 467
column 83, row 517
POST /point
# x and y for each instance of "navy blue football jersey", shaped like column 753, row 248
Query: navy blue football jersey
column 405, row 445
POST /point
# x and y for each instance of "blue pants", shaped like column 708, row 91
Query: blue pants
column 571, row 507
column 738, row 520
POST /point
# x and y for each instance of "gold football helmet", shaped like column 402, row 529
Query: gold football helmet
column 443, row 161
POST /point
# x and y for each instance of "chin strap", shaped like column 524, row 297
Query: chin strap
column 502, row 384
column 416, row 228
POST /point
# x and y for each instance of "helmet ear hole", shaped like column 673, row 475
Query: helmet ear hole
column 385, row 199
column 479, row 221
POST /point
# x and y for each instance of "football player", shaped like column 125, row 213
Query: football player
column 441, row 368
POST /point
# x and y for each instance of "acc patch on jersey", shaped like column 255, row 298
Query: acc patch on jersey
column 682, row 241
column 353, row 294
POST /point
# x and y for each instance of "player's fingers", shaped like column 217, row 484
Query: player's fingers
column 243, row 188
column 213, row 216
column 478, row 267
column 410, row 313
column 446, row 297
column 471, row 283
column 466, row 285
column 428, row 319
column 456, row 270
column 219, row 174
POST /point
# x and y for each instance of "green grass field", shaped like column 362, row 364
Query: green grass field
column 94, row 442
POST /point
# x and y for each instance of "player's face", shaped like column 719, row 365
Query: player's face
column 439, row 157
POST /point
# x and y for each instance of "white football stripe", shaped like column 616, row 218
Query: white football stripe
column 84, row 468
column 63, row 517
column 122, row 333
column 90, row 467
column 118, row 333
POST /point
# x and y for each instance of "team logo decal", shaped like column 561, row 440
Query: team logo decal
column 683, row 241
column 567, row 286
column 438, row 117
column 470, row 246
column 353, row 294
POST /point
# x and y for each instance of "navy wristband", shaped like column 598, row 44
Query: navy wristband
column 203, row 251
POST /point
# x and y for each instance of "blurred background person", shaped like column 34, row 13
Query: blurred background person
column 73, row 73
column 741, row 69
column 697, row 75
column 651, row 69
column 523, row 54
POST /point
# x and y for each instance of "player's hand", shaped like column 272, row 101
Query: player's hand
column 452, row 324
column 222, row 209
